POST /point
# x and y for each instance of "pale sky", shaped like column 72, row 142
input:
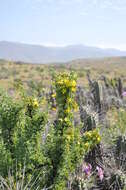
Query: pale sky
column 62, row 22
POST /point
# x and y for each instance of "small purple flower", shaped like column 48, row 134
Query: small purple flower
column 87, row 169
column 124, row 93
column 100, row 172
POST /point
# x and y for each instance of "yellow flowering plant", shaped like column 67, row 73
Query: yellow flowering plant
column 25, row 122
column 69, row 146
column 64, row 84
column 91, row 138
column 53, row 151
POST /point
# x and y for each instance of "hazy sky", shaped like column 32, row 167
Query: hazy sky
column 62, row 22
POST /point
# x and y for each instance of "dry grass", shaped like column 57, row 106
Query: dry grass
column 110, row 67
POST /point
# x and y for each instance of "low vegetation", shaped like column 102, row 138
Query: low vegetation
column 62, row 134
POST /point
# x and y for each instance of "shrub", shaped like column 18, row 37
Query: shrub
column 21, row 125
column 66, row 146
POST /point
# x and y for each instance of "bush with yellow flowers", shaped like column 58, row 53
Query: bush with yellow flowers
column 65, row 86
column 66, row 146
column 31, row 104
column 91, row 138
column 21, row 126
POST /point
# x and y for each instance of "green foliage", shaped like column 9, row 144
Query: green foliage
column 65, row 144
column 21, row 125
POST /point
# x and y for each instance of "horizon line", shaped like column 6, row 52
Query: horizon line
column 55, row 45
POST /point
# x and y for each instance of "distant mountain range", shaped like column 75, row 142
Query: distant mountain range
column 42, row 54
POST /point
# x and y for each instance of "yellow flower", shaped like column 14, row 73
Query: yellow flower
column 35, row 103
column 66, row 81
column 86, row 145
column 54, row 109
column 73, row 83
column 67, row 110
column 73, row 89
column 53, row 95
column 69, row 100
column 60, row 82
column 88, row 134
column 98, row 139
column 70, row 132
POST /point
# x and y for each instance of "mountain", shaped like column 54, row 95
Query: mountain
column 42, row 54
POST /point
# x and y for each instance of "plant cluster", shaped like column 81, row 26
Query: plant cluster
column 67, row 145
column 21, row 125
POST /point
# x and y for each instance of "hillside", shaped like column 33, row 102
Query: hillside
column 42, row 54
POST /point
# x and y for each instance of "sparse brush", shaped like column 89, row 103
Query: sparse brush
column 62, row 155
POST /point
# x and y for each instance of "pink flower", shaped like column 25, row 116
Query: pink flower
column 87, row 169
column 124, row 93
column 100, row 172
